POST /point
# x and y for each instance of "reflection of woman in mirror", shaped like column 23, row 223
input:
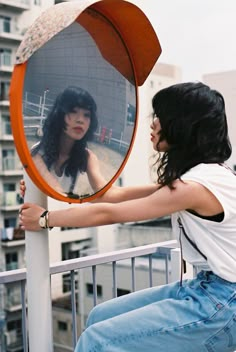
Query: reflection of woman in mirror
column 62, row 154
column 194, row 185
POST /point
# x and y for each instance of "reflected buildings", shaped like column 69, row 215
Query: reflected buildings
column 72, row 58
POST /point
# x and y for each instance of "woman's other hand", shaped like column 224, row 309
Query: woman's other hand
column 22, row 188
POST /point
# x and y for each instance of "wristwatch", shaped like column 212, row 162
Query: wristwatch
column 43, row 220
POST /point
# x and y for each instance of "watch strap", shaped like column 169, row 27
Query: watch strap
column 45, row 215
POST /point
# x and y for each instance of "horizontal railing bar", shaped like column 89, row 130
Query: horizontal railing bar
column 84, row 262
column 12, row 276
column 79, row 263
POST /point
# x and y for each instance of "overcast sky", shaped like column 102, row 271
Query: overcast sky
column 197, row 35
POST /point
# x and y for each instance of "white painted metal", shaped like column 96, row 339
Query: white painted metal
column 38, row 280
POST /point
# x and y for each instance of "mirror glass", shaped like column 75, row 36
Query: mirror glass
column 79, row 111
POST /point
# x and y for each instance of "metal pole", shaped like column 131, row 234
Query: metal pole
column 81, row 298
column 38, row 280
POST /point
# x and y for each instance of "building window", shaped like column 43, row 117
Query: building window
column 11, row 261
column 131, row 113
column 122, row 292
column 89, row 288
column 5, row 57
column 9, row 187
column 4, row 88
column 8, row 163
column 10, row 222
column 10, row 196
column 14, row 325
column 13, row 295
column 6, row 125
column 120, row 181
column 71, row 250
column 151, row 84
column 66, row 278
column 5, row 24
column 62, row 326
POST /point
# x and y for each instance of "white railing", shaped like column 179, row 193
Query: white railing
column 72, row 266
column 37, row 105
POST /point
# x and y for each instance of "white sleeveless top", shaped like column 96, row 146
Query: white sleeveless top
column 65, row 181
column 216, row 240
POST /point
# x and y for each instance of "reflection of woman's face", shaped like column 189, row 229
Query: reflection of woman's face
column 77, row 123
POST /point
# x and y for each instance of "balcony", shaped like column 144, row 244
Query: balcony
column 15, row 5
column 10, row 201
column 6, row 62
column 12, row 266
column 5, row 131
column 10, row 166
column 4, row 102
column 9, row 32
column 4, row 93
column 162, row 266
column 13, row 341
column 11, row 236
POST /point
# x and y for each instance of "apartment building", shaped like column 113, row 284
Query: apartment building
column 15, row 17
column 12, row 239
column 225, row 83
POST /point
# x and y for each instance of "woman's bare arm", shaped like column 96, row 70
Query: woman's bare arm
column 114, row 194
column 95, row 177
column 117, row 194
column 165, row 201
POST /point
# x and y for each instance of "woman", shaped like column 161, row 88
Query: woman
column 190, row 133
column 62, row 154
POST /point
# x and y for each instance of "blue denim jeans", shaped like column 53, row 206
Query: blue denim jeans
column 199, row 316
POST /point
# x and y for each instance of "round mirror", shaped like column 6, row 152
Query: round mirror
column 79, row 113
column 73, row 95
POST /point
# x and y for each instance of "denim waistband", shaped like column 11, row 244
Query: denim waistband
column 210, row 276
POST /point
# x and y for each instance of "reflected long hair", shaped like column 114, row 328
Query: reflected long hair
column 71, row 98
column 193, row 122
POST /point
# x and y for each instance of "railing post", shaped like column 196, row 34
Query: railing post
column 175, row 264
column 38, row 280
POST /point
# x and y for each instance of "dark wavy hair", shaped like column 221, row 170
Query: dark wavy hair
column 193, row 122
column 71, row 98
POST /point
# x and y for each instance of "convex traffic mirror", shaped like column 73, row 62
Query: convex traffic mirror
column 73, row 97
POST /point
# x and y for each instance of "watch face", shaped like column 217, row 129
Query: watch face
column 42, row 222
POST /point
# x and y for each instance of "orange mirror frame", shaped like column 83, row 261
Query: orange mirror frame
column 143, row 49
